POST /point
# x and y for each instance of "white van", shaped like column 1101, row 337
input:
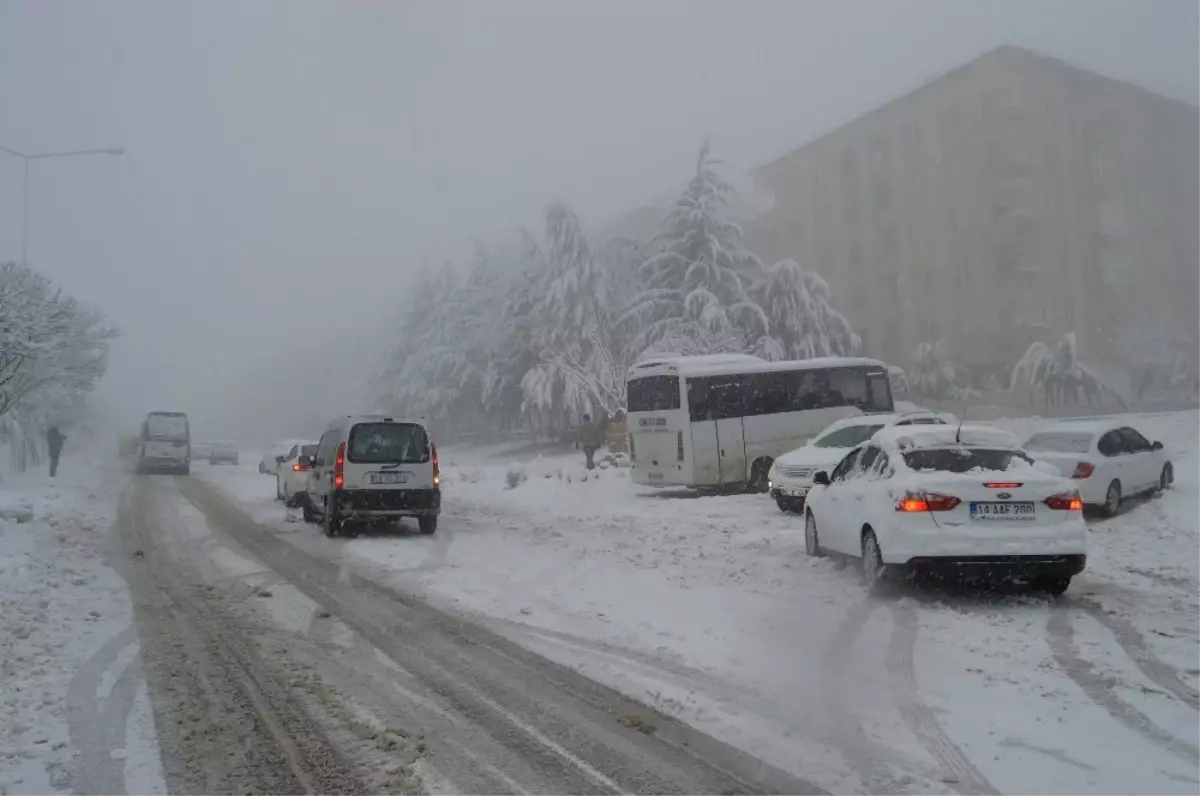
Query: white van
column 166, row 444
column 373, row 468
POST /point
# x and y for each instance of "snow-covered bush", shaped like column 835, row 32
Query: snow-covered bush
column 1057, row 371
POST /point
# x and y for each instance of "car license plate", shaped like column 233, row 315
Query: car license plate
column 654, row 476
column 387, row 478
column 1002, row 511
column 800, row 491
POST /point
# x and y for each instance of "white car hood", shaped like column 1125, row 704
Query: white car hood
column 812, row 456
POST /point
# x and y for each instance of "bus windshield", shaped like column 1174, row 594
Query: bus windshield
column 653, row 393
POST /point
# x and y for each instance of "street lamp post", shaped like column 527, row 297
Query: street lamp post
column 25, row 183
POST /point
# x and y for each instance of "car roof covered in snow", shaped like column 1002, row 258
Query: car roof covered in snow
column 720, row 364
column 876, row 419
column 901, row 438
column 1084, row 426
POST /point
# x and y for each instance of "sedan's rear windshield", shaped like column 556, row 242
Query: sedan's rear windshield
column 962, row 459
column 1060, row 442
column 379, row 443
column 847, row 437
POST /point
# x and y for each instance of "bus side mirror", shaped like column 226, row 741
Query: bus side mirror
column 821, row 478
column 1157, row 446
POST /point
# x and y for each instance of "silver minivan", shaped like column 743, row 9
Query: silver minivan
column 372, row 468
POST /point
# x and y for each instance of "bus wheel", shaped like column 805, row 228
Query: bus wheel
column 758, row 475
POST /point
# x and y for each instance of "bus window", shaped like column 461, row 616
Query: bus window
column 851, row 385
column 881, row 394
column 716, row 398
column 653, row 394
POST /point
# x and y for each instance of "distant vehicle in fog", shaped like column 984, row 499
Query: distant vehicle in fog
column 277, row 453
column 201, row 451
column 166, row 444
column 223, row 453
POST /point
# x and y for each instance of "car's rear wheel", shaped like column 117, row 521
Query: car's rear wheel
column 874, row 571
column 1052, row 586
column 812, row 542
column 306, row 507
column 1167, row 477
column 333, row 525
column 1112, row 499
column 428, row 524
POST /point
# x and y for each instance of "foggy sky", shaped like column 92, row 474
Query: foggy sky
column 276, row 150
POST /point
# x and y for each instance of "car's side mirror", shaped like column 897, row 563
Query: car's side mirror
column 306, row 461
column 821, row 478
column 1157, row 446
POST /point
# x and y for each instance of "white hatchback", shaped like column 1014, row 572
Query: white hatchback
column 1107, row 461
column 942, row 500
column 790, row 476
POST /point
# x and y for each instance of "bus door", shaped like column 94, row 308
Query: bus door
column 726, row 399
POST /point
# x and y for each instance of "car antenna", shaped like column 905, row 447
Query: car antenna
column 961, row 415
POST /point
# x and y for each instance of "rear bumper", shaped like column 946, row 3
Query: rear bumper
column 995, row 567
column 382, row 503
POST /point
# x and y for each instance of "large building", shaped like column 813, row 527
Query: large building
column 1011, row 200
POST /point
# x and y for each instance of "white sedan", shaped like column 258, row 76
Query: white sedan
column 277, row 453
column 790, row 476
column 291, row 479
column 1107, row 461
column 944, row 500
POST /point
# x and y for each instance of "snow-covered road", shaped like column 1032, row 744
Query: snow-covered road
column 709, row 609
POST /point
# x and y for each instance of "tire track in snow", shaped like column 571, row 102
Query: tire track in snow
column 1134, row 645
column 864, row 755
column 97, row 727
column 1096, row 687
column 917, row 715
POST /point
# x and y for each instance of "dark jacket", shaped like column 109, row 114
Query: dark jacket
column 591, row 435
column 55, row 439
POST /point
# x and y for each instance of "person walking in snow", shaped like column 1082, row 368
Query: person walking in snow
column 591, row 438
column 54, row 441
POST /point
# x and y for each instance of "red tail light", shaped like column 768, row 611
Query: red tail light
column 437, row 469
column 1067, row 501
column 926, row 501
column 1003, row 485
column 1083, row 470
column 298, row 468
column 339, row 467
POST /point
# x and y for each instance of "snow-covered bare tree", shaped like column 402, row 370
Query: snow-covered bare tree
column 803, row 323
column 51, row 346
column 1057, row 371
column 933, row 374
column 697, row 274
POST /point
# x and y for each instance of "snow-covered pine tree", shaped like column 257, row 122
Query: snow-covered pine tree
column 696, row 278
column 802, row 322
column 578, row 353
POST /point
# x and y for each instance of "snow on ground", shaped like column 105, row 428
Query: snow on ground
column 65, row 633
column 708, row 608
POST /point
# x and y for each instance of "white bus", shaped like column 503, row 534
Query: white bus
column 712, row 421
